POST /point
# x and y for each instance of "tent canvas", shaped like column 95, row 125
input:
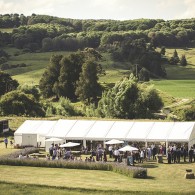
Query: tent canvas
column 79, row 130
column 27, row 128
column 29, row 140
column 181, row 131
column 139, row 131
column 119, row 130
column 42, row 130
column 61, row 128
column 99, row 130
column 160, row 131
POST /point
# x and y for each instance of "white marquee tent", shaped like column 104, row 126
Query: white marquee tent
column 31, row 130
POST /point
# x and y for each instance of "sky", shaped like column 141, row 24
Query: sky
column 103, row 9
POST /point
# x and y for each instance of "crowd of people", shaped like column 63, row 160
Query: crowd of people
column 173, row 153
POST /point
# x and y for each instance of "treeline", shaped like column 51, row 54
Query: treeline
column 35, row 31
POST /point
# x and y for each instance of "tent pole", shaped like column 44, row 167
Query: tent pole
column 146, row 144
column 84, row 143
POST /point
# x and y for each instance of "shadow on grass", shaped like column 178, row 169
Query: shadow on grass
column 150, row 177
column 149, row 166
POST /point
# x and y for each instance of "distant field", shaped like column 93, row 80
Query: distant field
column 180, row 81
column 8, row 30
column 36, row 64
column 176, row 88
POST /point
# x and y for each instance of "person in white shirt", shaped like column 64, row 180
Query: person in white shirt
column 116, row 154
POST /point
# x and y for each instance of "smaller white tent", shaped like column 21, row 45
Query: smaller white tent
column 26, row 133
column 33, row 132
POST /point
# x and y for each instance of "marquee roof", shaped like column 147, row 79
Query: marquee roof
column 107, row 130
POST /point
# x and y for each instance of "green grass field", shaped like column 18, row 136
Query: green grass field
column 162, row 178
column 176, row 88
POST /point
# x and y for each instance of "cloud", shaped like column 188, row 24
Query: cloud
column 190, row 10
column 102, row 9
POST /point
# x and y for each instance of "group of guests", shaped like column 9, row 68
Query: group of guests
column 174, row 153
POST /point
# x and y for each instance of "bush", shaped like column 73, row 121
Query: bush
column 134, row 172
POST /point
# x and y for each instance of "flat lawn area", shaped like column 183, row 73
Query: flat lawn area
column 5, row 151
column 162, row 178
column 176, row 88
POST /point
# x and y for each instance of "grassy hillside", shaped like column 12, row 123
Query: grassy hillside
column 179, row 83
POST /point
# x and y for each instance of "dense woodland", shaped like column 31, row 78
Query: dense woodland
column 75, row 77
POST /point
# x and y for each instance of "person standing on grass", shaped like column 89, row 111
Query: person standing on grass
column 190, row 154
column 6, row 142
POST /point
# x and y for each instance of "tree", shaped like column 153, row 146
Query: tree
column 19, row 103
column 128, row 99
column 88, row 88
column 69, row 74
column 163, row 51
column 50, row 77
column 144, row 75
column 183, row 61
column 175, row 58
column 28, row 89
column 7, row 83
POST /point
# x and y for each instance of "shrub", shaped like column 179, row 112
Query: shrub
column 134, row 172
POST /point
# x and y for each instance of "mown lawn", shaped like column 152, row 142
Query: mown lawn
column 162, row 178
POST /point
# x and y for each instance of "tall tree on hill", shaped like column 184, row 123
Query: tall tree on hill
column 49, row 78
column 88, row 88
column 7, row 84
column 183, row 61
column 69, row 75
column 175, row 58
column 162, row 51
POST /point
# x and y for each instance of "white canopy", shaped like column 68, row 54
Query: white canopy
column 69, row 145
column 53, row 139
column 128, row 148
column 114, row 141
